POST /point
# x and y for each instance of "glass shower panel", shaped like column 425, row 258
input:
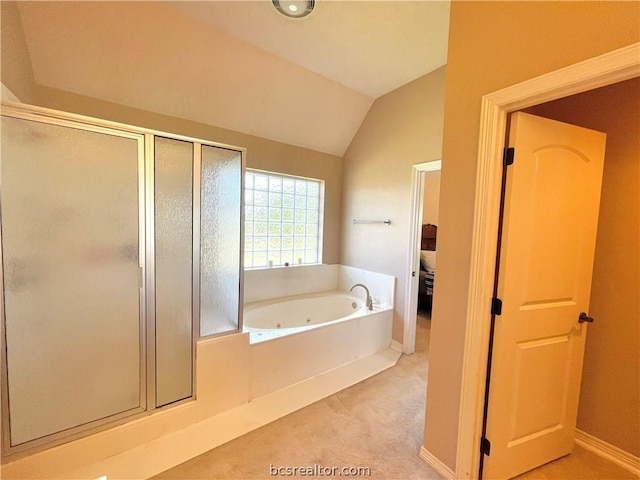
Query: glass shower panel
column 220, row 210
column 70, row 240
column 174, row 280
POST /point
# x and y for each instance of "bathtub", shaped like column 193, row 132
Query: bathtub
column 297, row 337
column 271, row 319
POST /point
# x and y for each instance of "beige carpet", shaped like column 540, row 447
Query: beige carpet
column 580, row 465
column 376, row 424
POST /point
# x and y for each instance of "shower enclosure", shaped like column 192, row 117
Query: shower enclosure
column 121, row 246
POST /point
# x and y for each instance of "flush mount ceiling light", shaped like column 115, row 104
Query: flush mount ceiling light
column 294, row 8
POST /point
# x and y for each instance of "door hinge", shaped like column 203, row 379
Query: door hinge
column 507, row 156
column 485, row 446
column 496, row 306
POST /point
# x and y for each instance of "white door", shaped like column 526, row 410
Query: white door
column 546, row 261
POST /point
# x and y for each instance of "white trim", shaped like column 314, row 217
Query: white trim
column 413, row 255
column 610, row 452
column 432, row 166
column 612, row 67
column 411, row 292
column 396, row 345
column 436, row 464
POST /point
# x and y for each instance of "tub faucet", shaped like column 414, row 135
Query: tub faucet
column 369, row 300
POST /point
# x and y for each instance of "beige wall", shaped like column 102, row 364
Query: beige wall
column 15, row 64
column 261, row 153
column 493, row 45
column 610, row 392
column 431, row 202
column 402, row 128
column 17, row 75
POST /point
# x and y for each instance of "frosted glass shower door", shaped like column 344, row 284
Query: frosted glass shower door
column 70, row 244
column 220, row 240
column 173, row 269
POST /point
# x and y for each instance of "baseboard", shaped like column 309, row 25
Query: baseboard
column 396, row 345
column 608, row 451
column 436, row 464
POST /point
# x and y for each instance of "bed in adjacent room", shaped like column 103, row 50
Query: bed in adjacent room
column 427, row 265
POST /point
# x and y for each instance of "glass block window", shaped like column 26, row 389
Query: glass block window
column 283, row 220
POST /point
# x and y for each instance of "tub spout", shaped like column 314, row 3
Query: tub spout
column 369, row 300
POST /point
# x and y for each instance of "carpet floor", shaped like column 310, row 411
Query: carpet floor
column 375, row 425
column 580, row 465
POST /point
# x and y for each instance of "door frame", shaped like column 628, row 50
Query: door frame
column 612, row 67
column 418, row 173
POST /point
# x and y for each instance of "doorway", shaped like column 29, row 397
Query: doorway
column 617, row 66
column 418, row 178
column 612, row 341
column 543, row 282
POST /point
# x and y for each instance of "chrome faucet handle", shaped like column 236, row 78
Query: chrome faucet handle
column 369, row 301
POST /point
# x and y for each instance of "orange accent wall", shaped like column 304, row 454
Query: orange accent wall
column 493, row 45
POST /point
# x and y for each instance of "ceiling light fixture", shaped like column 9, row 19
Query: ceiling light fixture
column 294, row 8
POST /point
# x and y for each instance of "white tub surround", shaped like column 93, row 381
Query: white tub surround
column 268, row 283
column 302, row 321
column 381, row 287
column 313, row 331
column 284, row 361
column 271, row 283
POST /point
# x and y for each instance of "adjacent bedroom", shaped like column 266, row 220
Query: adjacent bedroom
column 428, row 241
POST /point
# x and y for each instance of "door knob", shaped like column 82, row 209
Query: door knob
column 584, row 318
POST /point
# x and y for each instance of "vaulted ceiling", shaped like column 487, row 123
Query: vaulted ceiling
column 239, row 64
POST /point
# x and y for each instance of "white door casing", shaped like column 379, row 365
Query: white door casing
column 413, row 255
column 548, row 244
